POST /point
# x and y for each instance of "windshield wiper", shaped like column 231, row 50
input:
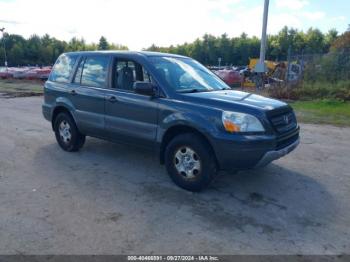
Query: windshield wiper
column 192, row 90
column 195, row 90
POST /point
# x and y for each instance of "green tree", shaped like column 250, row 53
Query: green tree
column 330, row 37
column 315, row 41
column 207, row 49
column 117, row 47
column 103, row 44
column 33, row 45
column 16, row 54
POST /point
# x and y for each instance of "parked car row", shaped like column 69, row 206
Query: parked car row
column 30, row 73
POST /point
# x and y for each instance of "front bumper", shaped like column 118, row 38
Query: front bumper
column 276, row 154
column 239, row 152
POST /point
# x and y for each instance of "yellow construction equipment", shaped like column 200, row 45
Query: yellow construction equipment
column 276, row 71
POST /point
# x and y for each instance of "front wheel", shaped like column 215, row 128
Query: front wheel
column 67, row 134
column 190, row 162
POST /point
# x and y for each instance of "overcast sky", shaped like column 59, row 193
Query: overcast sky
column 139, row 23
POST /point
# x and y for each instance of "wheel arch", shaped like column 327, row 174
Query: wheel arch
column 57, row 110
column 181, row 129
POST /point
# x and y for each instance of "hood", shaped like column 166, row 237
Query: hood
column 236, row 97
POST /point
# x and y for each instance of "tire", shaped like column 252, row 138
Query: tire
column 182, row 156
column 67, row 134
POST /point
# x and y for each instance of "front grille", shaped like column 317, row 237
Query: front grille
column 285, row 124
column 283, row 121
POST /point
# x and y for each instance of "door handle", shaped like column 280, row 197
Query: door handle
column 73, row 92
column 112, row 99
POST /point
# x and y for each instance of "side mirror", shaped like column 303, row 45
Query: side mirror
column 144, row 88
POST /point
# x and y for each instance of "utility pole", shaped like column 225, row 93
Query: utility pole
column 288, row 61
column 3, row 41
column 260, row 67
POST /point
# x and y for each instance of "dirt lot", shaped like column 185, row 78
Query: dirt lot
column 118, row 200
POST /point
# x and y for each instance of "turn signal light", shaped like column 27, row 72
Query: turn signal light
column 231, row 127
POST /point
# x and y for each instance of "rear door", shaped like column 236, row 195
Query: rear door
column 130, row 117
column 58, row 87
column 91, row 83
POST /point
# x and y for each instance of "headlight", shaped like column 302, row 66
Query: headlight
column 240, row 122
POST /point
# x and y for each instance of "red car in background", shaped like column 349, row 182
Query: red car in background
column 229, row 76
column 38, row 73
column 30, row 73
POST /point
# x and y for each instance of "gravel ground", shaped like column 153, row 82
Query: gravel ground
column 113, row 199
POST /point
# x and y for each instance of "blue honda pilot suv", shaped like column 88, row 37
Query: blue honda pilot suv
column 172, row 104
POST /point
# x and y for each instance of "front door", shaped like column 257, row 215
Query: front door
column 130, row 117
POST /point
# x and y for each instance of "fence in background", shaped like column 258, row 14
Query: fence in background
column 316, row 76
column 332, row 67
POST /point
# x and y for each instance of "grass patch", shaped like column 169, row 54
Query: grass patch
column 331, row 112
column 325, row 90
column 313, row 90
column 14, row 88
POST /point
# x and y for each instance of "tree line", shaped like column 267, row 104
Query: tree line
column 44, row 50
column 238, row 50
column 232, row 50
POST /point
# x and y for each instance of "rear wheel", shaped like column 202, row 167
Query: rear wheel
column 67, row 134
column 190, row 162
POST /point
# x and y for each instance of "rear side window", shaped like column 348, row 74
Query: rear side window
column 63, row 68
column 95, row 71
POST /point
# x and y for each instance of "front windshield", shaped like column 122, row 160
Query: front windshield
column 186, row 75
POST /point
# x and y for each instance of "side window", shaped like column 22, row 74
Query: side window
column 127, row 72
column 95, row 71
column 163, row 72
column 63, row 68
column 146, row 76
